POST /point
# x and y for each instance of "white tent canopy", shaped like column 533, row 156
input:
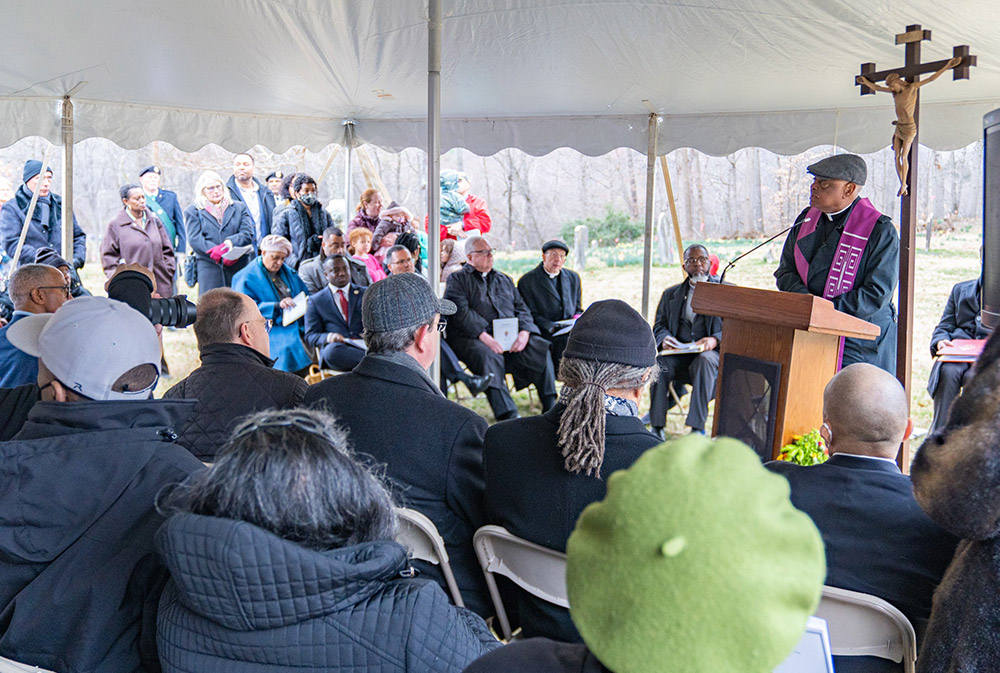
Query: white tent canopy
column 530, row 74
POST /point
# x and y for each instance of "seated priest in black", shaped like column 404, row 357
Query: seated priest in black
column 483, row 295
column 842, row 249
column 552, row 293
column 333, row 318
column 960, row 320
column 878, row 540
column 676, row 320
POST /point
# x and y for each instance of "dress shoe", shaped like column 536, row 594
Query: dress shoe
column 477, row 384
column 658, row 432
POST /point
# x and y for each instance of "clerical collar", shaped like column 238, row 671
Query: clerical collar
column 553, row 276
column 830, row 216
column 858, row 455
column 485, row 273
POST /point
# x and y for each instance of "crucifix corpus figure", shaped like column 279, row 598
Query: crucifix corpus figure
column 904, row 95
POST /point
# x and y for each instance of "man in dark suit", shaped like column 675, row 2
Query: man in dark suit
column 483, row 295
column 676, row 321
column 165, row 206
column 248, row 190
column 333, row 317
column 878, row 541
column 431, row 447
column 552, row 293
column 960, row 320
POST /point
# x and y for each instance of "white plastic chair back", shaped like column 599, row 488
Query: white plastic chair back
column 538, row 570
column 864, row 625
column 11, row 666
column 421, row 538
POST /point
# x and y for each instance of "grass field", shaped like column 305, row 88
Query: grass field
column 954, row 257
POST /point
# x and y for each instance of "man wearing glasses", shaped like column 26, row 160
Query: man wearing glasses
column 483, row 295
column 33, row 288
column 676, row 328
column 236, row 376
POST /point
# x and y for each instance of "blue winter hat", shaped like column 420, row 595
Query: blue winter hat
column 33, row 167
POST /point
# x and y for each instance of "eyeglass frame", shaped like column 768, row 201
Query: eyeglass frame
column 268, row 323
column 67, row 289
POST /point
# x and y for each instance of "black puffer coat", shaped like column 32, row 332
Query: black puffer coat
column 242, row 599
column 232, row 381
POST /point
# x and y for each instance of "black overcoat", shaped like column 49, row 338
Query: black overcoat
column 432, row 451
column 547, row 305
column 530, row 493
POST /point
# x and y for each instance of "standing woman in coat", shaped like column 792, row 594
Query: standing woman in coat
column 273, row 285
column 136, row 236
column 368, row 211
column 288, row 511
column 303, row 222
column 216, row 224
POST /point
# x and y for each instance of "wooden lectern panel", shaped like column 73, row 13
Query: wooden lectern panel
column 800, row 332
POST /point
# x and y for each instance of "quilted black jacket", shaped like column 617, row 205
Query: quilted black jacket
column 242, row 599
column 232, row 381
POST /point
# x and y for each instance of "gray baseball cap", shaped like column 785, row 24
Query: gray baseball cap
column 400, row 301
column 88, row 343
column 848, row 167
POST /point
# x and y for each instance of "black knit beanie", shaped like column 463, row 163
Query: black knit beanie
column 612, row 331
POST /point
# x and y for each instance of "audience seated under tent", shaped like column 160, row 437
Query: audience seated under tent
column 289, row 514
column 695, row 561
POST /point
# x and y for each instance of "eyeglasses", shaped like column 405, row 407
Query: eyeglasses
column 488, row 252
column 268, row 323
column 212, row 188
column 697, row 260
column 65, row 288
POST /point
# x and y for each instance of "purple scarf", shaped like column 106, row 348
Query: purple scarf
column 847, row 258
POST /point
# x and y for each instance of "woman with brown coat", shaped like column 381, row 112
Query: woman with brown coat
column 136, row 236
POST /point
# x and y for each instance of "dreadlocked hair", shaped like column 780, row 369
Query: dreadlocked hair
column 581, row 428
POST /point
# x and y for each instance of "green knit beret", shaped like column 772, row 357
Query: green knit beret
column 694, row 562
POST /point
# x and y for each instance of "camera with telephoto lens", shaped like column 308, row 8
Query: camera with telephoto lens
column 136, row 289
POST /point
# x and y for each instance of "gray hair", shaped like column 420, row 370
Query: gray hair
column 291, row 473
column 581, row 428
column 394, row 341
column 28, row 278
column 471, row 241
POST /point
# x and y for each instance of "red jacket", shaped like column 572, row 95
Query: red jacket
column 478, row 217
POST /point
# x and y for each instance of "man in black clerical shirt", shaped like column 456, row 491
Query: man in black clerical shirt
column 553, row 294
column 842, row 249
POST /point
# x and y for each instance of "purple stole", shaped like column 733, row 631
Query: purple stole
column 847, row 258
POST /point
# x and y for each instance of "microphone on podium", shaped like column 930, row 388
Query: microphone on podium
column 722, row 279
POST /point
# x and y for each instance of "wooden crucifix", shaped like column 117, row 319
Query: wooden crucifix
column 904, row 84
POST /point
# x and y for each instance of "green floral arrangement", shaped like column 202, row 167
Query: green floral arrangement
column 807, row 449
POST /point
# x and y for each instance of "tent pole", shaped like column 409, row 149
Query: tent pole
column 647, row 241
column 349, row 142
column 434, row 29
column 673, row 210
column 67, row 179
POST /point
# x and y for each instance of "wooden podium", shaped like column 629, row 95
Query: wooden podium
column 780, row 350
